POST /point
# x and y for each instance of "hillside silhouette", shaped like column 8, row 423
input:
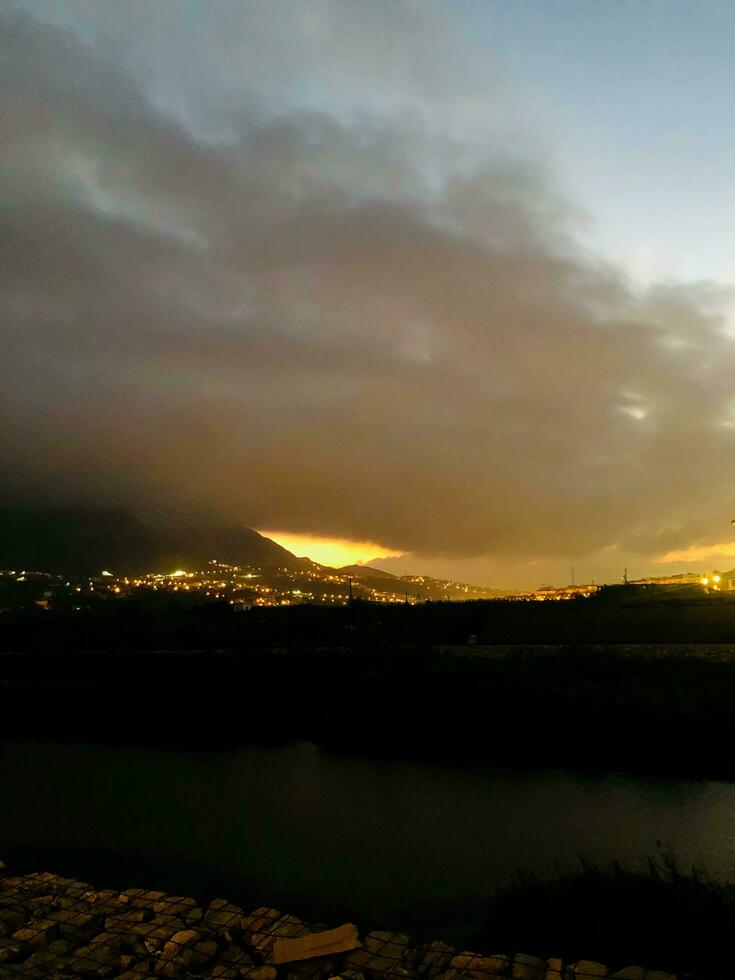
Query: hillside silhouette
column 365, row 571
column 85, row 541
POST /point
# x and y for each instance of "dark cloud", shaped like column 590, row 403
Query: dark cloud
column 331, row 320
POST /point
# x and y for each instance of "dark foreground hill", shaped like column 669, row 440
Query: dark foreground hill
column 84, row 542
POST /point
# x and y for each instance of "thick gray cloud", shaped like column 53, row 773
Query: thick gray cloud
column 273, row 262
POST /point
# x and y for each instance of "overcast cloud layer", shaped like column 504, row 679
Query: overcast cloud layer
column 302, row 266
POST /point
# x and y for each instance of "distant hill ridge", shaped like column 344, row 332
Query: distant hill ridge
column 85, row 541
column 365, row 571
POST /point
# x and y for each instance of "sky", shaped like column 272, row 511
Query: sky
column 454, row 279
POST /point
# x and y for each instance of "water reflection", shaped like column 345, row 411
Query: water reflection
column 365, row 836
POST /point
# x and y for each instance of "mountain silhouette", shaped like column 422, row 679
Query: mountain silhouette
column 86, row 541
column 365, row 571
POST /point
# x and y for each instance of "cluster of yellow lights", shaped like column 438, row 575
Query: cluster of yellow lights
column 716, row 579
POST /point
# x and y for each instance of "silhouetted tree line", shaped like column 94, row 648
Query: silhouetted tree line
column 167, row 620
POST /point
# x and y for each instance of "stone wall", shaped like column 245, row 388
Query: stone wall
column 61, row 928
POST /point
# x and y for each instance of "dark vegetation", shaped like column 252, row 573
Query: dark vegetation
column 677, row 919
column 674, row 918
column 377, row 678
column 160, row 620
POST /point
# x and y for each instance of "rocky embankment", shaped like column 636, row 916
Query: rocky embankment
column 61, row 928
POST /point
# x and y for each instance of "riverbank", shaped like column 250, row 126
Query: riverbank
column 54, row 927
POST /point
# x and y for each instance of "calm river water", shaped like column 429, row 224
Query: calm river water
column 328, row 835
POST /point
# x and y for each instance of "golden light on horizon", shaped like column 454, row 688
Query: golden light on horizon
column 726, row 549
column 330, row 551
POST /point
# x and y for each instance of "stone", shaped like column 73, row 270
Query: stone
column 177, row 964
column 10, row 921
column 223, row 914
column 235, row 955
column 658, row 975
column 13, row 882
column 42, row 901
column 433, row 958
column 390, row 937
column 630, row 973
column 259, row 972
column 155, row 934
column 134, row 947
column 585, row 969
column 133, row 915
column 185, row 937
column 95, row 960
column 261, row 920
column 208, row 948
column 176, row 902
column 144, row 967
column 379, row 966
column 290, row 927
column 61, row 947
column 357, row 959
column 221, row 903
column 44, row 963
column 477, row 966
column 11, row 952
column 224, row 972
column 553, row 969
column 129, row 894
column 72, row 903
column 77, row 923
column 179, row 953
column 38, row 933
column 113, row 940
column 99, row 896
column 450, row 975
column 527, row 967
column 397, row 951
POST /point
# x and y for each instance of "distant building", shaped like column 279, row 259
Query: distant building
column 727, row 581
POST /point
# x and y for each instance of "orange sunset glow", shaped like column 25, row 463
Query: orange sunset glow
column 330, row 551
